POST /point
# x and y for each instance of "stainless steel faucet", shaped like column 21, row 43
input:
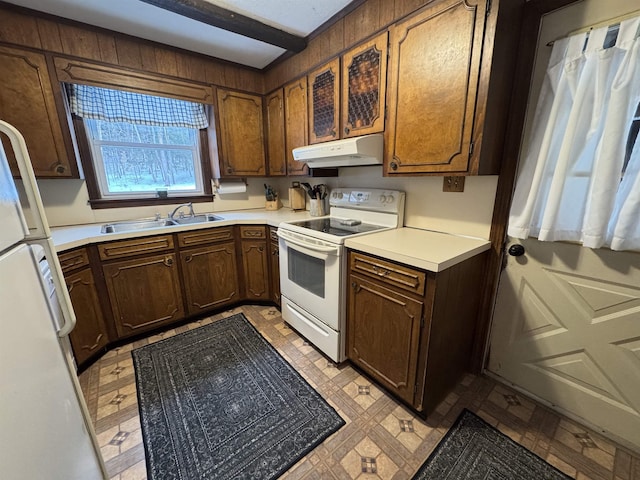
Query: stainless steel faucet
column 191, row 212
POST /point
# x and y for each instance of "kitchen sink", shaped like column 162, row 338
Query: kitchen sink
column 133, row 225
column 205, row 217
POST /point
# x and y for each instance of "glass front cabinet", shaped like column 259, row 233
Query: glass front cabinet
column 346, row 95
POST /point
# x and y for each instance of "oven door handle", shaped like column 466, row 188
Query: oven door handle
column 309, row 246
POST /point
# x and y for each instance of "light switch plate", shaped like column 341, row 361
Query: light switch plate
column 453, row 184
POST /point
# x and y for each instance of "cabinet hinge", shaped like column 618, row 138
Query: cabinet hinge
column 422, row 322
column 471, row 145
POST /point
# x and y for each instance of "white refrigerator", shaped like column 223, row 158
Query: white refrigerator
column 45, row 429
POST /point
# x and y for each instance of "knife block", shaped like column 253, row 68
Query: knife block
column 297, row 198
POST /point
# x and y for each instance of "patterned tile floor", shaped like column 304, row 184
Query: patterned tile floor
column 381, row 439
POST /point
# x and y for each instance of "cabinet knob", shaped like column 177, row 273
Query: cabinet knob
column 188, row 258
column 333, row 132
column 229, row 170
column 168, row 261
column 60, row 169
column 347, row 130
column 261, row 249
column 393, row 165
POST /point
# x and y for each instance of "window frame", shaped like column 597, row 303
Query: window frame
column 97, row 201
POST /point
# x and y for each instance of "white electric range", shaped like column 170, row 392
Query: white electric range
column 313, row 264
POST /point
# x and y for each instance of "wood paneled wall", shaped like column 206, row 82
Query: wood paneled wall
column 19, row 26
column 27, row 28
column 369, row 18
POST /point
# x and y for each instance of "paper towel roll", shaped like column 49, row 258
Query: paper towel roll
column 232, row 187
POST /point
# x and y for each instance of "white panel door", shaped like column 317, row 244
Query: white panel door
column 567, row 329
column 44, row 429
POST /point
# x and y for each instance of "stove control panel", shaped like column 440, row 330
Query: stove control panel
column 368, row 199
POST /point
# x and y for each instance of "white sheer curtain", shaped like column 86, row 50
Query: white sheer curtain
column 573, row 184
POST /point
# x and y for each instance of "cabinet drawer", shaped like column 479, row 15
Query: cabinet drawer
column 137, row 246
column 253, row 232
column 73, row 259
column 201, row 237
column 389, row 273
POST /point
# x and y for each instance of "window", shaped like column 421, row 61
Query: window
column 140, row 146
column 138, row 160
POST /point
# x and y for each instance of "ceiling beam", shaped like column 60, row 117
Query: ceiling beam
column 215, row 16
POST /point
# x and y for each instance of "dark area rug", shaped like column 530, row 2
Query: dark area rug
column 219, row 402
column 472, row 449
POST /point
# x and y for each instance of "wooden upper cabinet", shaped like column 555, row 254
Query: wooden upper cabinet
column 240, row 134
column 433, row 84
column 274, row 108
column 30, row 102
column 324, row 102
column 296, row 126
column 364, row 80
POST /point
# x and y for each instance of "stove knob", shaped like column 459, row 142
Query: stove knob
column 339, row 195
column 390, row 199
column 382, row 199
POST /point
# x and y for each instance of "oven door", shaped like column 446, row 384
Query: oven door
column 310, row 275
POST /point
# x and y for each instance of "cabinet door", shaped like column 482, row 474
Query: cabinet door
column 210, row 276
column 383, row 333
column 90, row 334
column 275, row 133
column 324, row 102
column 256, row 269
column 241, row 149
column 29, row 102
column 433, row 81
column 144, row 293
column 296, row 134
column 364, row 81
column 275, row 272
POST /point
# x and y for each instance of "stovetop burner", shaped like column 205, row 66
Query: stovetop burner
column 339, row 227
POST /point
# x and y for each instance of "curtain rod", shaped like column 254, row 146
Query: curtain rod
column 612, row 22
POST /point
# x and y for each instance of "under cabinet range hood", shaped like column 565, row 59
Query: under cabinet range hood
column 365, row 150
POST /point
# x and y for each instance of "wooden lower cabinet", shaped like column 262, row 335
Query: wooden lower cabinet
column 384, row 335
column 256, row 269
column 255, row 262
column 412, row 330
column 274, row 259
column 144, row 293
column 210, row 276
column 90, row 334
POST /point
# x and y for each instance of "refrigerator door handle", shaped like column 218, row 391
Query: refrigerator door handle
column 29, row 181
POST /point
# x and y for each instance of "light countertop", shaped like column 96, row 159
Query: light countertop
column 66, row 238
column 433, row 251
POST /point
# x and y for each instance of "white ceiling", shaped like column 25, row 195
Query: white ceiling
column 299, row 17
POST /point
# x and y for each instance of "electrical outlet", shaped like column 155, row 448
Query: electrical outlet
column 453, row 184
